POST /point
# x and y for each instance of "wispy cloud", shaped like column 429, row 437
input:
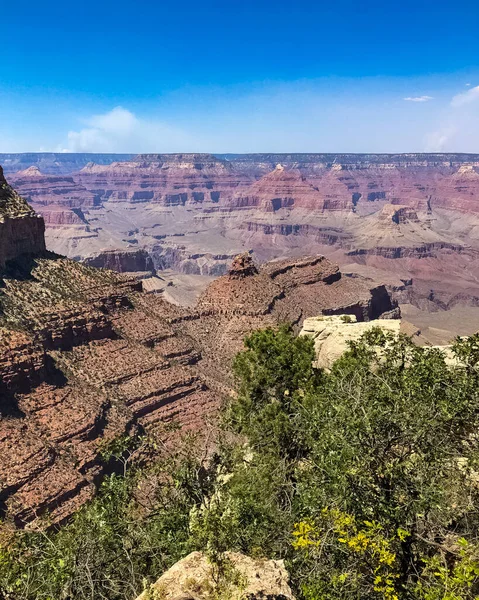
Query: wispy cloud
column 437, row 141
column 120, row 130
column 419, row 98
column 471, row 95
column 457, row 128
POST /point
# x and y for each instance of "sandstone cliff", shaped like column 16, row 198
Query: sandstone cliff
column 21, row 230
column 332, row 335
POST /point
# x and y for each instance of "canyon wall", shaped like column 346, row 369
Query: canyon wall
column 59, row 163
column 86, row 358
column 21, row 230
column 413, row 215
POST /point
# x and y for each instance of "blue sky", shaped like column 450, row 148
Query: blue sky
column 244, row 76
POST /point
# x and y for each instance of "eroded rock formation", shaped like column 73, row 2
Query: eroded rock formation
column 86, row 368
column 21, row 230
column 163, row 179
column 43, row 190
column 86, row 357
column 413, row 215
column 332, row 334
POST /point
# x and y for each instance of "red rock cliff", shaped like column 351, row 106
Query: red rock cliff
column 21, row 230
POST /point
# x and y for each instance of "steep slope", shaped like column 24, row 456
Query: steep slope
column 86, row 357
column 21, row 230
column 86, row 368
column 282, row 188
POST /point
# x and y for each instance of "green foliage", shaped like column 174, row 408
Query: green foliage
column 273, row 375
column 112, row 547
column 388, row 440
column 249, row 510
column 365, row 479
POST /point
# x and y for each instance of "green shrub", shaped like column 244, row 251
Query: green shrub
column 364, row 479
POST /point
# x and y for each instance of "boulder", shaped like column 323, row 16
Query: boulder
column 331, row 334
column 193, row 578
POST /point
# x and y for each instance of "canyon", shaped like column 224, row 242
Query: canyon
column 88, row 359
column 408, row 220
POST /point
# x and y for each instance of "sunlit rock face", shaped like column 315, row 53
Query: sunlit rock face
column 332, row 335
column 193, row 578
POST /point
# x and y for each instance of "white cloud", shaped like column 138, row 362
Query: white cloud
column 419, row 98
column 119, row 130
column 466, row 97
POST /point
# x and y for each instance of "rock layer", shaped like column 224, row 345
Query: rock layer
column 86, row 358
column 21, row 230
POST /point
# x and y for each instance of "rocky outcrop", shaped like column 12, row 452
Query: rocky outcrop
column 242, row 266
column 332, row 335
column 193, row 578
column 293, row 288
column 251, row 297
column 281, row 188
column 57, row 190
column 21, row 230
column 398, row 215
column 79, row 367
column 122, row 261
